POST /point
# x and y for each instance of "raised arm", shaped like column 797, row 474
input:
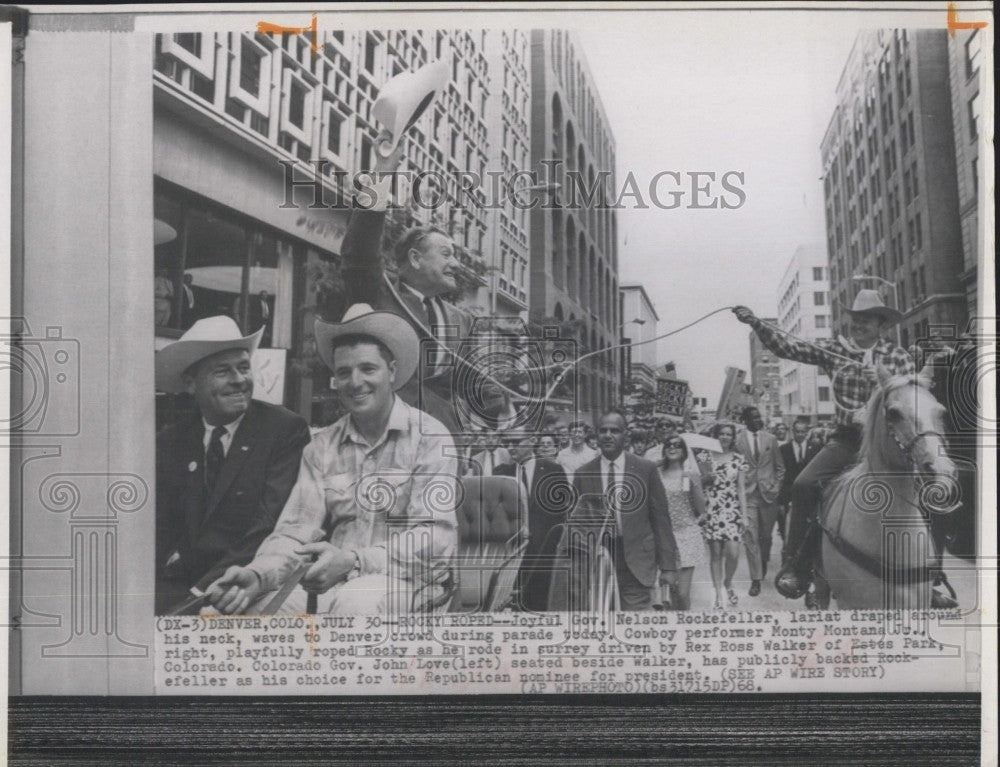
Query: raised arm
column 361, row 250
column 782, row 345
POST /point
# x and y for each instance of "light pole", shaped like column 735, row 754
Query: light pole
column 495, row 249
column 895, row 294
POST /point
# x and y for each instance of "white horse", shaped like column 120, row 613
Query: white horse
column 877, row 549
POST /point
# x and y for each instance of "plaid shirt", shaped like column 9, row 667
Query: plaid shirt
column 851, row 390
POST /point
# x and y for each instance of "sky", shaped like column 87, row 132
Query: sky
column 719, row 92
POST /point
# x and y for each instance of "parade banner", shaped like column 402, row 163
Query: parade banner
column 671, row 397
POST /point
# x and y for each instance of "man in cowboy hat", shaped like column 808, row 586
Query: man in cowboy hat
column 223, row 474
column 853, row 383
column 376, row 494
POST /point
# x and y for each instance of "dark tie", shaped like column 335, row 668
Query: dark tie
column 755, row 446
column 609, row 492
column 214, row 457
column 435, row 328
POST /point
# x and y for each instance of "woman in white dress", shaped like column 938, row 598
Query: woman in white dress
column 686, row 504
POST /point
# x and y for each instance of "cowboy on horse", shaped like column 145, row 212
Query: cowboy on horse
column 851, row 364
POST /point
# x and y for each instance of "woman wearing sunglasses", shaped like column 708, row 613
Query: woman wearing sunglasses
column 686, row 504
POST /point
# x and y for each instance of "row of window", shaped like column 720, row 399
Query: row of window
column 573, row 81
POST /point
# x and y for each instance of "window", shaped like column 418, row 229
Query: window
column 972, row 48
column 824, row 393
column 974, row 107
column 820, row 321
column 370, row 49
column 334, row 123
column 819, row 298
column 817, row 273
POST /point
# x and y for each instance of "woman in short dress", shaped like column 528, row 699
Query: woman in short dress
column 686, row 505
column 726, row 517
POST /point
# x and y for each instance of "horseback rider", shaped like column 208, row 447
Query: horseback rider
column 850, row 363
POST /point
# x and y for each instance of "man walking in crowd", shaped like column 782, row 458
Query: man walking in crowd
column 549, row 497
column 795, row 454
column 222, row 475
column 367, row 503
column 763, row 483
column 577, row 453
column 850, row 364
column 621, row 496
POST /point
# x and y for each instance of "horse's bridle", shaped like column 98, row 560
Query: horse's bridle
column 906, row 447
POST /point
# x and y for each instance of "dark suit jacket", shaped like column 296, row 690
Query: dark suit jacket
column 549, row 499
column 210, row 534
column 365, row 281
column 767, row 470
column 792, row 469
column 647, row 534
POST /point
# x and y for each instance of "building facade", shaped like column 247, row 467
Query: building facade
column 892, row 209
column 765, row 378
column 639, row 329
column 236, row 115
column 804, row 311
column 574, row 250
column 964, row 56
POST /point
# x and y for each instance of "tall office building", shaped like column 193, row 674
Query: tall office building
column 233, row 113
column 507, row 117
column 639, row 327
column 804, row 311
column 574, row 250
column 964, row 55
column 765, row 378
column 892, row 210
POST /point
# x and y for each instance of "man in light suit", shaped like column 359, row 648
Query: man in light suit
column 224, row 473
column 549, row 497
column 763, row 483
column 621, row 497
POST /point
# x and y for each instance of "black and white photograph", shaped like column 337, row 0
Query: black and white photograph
column 418, row 351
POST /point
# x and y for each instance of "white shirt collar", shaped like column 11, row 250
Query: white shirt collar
column 399, row 420
column 227, row 437
column 618, row 463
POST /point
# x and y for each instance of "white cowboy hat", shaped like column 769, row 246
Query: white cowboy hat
column 404, row 98
column 870, row 302
column 203, row 339
column 390, row 329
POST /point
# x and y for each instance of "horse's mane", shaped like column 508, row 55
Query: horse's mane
column 876, row 440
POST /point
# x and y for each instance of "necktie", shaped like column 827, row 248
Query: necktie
column 214, row 457
column 432, row 320
column 755, row 446
column 798, row 453
column 609, row 492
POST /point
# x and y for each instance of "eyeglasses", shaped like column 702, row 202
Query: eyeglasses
column 675, row 446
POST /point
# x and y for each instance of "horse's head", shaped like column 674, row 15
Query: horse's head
column 916, row 422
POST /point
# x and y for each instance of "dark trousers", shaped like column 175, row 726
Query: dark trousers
column 632, row 594
column 835, row 456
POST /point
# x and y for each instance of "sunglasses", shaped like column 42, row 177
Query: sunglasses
column 675, row 446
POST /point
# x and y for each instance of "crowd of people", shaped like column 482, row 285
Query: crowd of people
column 255, row 513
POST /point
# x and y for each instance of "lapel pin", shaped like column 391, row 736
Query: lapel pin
column 244, row 448
column 193, row 466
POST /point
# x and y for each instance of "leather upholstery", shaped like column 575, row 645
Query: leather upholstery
column 492, row 536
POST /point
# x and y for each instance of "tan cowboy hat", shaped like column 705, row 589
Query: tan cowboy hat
column 392, row 330
column 203, row 339
column 869, row 302
column 404, row 99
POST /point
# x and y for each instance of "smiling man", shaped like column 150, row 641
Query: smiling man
column 622, row 499
column 427, row 266
column 850, row 363
column 374, row 503
column 222, row 475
